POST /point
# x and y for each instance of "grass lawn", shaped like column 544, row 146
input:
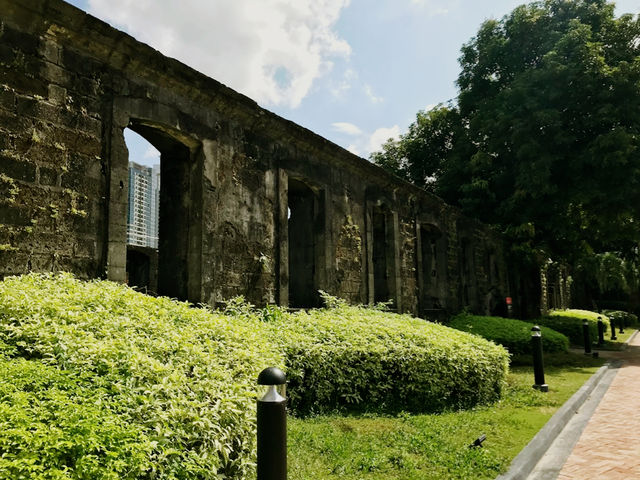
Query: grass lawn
column 435, row 446
column 621, row 338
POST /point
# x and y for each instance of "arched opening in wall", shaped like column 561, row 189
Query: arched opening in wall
column 495, row 303
column 305, row 226
column 493, row 272
column 468, row 294
column 158, row 211
column 430, row 267
column 382, row 254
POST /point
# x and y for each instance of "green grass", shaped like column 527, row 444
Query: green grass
column 618, row 344
column 435, row 446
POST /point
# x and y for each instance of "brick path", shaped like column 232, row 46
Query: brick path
column 609, row 447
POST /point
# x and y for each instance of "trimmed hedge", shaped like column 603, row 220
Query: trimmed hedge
column 357, row 357
column 109, row 383
column 514, row 335
column 569, row 322
column 99, row 381
column 618, row 316
column 52, row 422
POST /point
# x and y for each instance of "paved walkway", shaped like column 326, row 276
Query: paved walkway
column 609, row 447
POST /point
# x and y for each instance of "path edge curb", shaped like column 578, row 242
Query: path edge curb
column 530, row 455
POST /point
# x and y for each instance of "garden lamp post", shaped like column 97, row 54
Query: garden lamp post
column 600, row 332
column 613, row 329
column 586, row 337
column 538, row 365
column 272, row 426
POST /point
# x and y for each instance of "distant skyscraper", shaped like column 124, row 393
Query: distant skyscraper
column 144, row 205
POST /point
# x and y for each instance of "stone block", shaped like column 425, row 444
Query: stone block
column 13, row 263
column 17, row 169
column 7, row 54
column 7, row 99
column 81, row 183
column 23, row 83
column 83, row 268
column 53, row 73
column 40, row 262
column 57, row 94
column 89, row 224
column 48, row 176
column 84, row 248
column 14, row 215
column 81, row 65
column 25, row 42
column 50, row 50
column 28, row 106
column 41, row 151
column 5, row 141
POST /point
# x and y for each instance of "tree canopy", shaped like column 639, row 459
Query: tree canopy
column 544, row 138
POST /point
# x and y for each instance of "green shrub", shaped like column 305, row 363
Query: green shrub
column 569, row 322
column 514, row 335
column 98, row 381
column 51, row 421
column 369, row 359
column 108, row 383
column 618, row 316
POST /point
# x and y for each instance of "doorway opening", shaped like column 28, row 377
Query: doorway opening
column 468, row 273
column 380, row 258
column 492, row 269
column 158, row 211
column 430, row 266
column 304, row 228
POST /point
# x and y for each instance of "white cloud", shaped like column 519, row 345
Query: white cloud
column 353, row 149
column 430, row 107
column 345, row 127
column 372, row 96
column 270, row 50
column 431, row 6
column 151, row 152
column 366, row 143
column 340, row 89
column 380, row 136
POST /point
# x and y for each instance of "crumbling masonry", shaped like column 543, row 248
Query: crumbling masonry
column 251, row 204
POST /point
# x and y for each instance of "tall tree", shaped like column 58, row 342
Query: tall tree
column 420, row 155
column 545, row 139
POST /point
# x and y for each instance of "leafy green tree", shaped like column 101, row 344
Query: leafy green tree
column 544, row 139
column 607, row 276
column 420, row 154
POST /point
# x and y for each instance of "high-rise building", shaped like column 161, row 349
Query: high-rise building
column 144, row 205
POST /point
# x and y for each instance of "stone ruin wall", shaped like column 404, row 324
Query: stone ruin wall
column 70, row 84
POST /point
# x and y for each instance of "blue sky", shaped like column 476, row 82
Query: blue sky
column 354, row 71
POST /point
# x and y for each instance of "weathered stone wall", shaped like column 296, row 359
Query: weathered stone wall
column 52, row 174
column 70, row 85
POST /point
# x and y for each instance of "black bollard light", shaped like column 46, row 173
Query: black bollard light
column 613, row 329
column 600, row 332
column 538, row 364
column 587, row 338
column 272, row 426
column 621, row 325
